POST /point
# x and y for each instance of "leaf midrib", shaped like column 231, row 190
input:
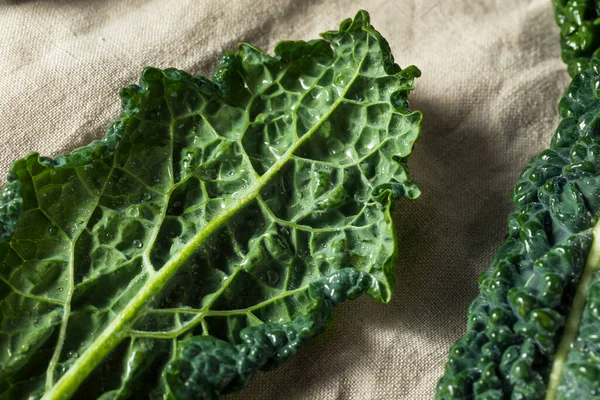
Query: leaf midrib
column 575, row 315
column 114, row 333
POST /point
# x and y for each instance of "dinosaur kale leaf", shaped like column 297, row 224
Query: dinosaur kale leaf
column 579, row 21
column 533, row 332
column 212, row 231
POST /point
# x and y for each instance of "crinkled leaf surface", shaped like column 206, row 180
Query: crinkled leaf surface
column 579, row 21
column 213, row 230
column 534, row 330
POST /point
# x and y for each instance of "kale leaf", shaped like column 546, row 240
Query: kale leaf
column 213, row 230
column 579, row 21
column 533, row 332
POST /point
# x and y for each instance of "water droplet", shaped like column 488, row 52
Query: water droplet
column 137, row 243
column 147, row 196
column 72, row 354
column 60, row 289
column 208, row 175
column 272, row 277
column 97, row 192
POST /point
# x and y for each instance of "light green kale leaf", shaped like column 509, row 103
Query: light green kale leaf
column 212, row 231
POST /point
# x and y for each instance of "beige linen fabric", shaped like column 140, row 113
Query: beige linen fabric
column 492, row 78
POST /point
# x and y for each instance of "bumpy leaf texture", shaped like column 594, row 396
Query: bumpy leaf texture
column 534, row 330
column 212, row 231
column 579, row 21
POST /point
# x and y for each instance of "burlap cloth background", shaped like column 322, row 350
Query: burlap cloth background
column 492, row 78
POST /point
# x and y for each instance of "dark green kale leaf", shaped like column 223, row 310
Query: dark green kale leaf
column 213, row 230
column 579, row 21
column 533, row 332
